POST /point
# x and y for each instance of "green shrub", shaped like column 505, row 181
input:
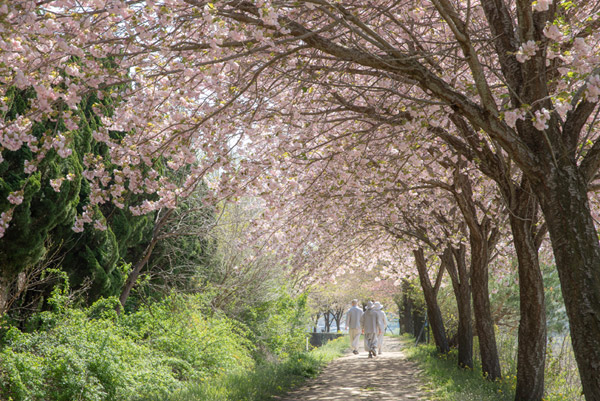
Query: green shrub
column 266, row 380
column 445, row 381
column 278, row 326
column 91, row 355
column 448, row 383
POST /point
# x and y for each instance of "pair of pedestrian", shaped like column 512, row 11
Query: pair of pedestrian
column 372, row 323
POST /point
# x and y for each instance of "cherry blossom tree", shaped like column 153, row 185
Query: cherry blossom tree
column 509, row 51
column 196, row 78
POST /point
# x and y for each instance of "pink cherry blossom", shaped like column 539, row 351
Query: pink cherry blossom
column 29, row 166
column 5, row 219
column 593, row 88
column 16, row 198
column 56, row 183
column 541, row 119
column 526, row 51
column 541, row 5
column 552, row 32
column 511, row 117
column 100, row 225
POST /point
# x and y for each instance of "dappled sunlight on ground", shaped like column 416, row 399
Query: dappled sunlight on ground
column 356, row 377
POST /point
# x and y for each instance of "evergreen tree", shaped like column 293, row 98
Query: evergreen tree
column 45, row 216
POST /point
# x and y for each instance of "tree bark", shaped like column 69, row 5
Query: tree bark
column 527, row 235
column 456, row 265
column 337, row 316
column 407, row 325
column 433, row 310
column 532, row 327
column 135, row 272
column 316, row 322
column 490, row 362
column 418, row 321
column 4, row 294
column 327, row 318
column 482, row 238
column 574, row 240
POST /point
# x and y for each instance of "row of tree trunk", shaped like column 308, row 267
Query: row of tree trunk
column 330, row 316
column 470, row 286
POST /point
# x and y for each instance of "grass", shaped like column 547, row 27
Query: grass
column 266, row 380
column 446, row 382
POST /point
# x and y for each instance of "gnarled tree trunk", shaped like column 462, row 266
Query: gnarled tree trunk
column 482, row 239
column 527, row 236
column 532, row 327
column 456, row 265
column 406, row 311
column 327, row 317
column 433, row 310
column 490, row 362
column 574, row 240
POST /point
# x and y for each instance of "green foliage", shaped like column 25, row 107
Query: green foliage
column 445, row 381
column 279, row 325
column 42, row 208
column 91, row 354
column 267, row 380
column 46, row 216
column 562, row 377
column 505, row 293
column 96, row 255
column 555, row 306
column 448, row 383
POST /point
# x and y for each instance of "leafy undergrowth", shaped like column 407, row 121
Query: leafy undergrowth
column 175, row 349
column 446, row 382
column 94, row 355
column 267, row 379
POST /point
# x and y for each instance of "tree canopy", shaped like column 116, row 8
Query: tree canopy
column 386, row 128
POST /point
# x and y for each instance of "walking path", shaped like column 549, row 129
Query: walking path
column 386, row 377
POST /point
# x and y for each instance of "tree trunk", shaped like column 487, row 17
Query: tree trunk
column 5, row 285
column 316, row 323
column 461, row 284
column 337, row 316
column 418, row 321
column 135, row 272
column 433, row 310
column 490, row 362
column 407, row 325
column 574, row 240
column 482, row 238
column 527, row 237
column 531, row 358
column 327, row 316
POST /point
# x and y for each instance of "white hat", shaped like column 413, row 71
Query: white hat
column 369, row 305
column 377, row 306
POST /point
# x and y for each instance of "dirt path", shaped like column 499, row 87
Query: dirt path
column 355, row 377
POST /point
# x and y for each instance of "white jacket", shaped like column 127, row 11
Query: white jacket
column 353, row 317
column 384, row 317
column 372, row 322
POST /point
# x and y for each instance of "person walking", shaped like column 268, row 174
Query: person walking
column 353, row 318
column 372, row 326
column 379, row 309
